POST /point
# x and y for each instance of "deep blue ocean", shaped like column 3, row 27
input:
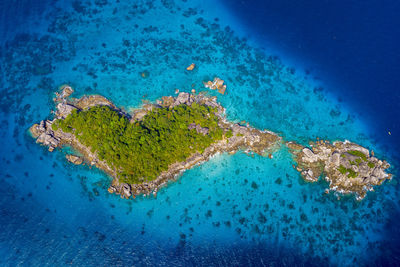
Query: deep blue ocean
column 327, row 69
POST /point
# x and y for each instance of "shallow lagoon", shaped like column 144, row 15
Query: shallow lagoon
column 232, row 209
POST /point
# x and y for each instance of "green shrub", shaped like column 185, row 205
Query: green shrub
column 371, row 164
column 229, row 134
column 342, row 169
column 358, row 154
column 350, row 173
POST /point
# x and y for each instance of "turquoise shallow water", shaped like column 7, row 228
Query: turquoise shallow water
column 232, row 210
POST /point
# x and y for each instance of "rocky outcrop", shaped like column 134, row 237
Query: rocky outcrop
column 191, row 67
column 198, row 128
column 74, row 159
column 64, row 93
column 348, row 167
column 45, row 135
column 217, row 84
column 63, row 110
column 89, row 101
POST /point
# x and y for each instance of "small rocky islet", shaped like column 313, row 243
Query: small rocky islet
column 348, row 167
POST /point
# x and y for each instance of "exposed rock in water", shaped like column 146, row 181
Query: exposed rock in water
column 66, row 91
column 45, row 135
column 347, row 167
column 217, row 83
column 191, row 67
column 74, row 159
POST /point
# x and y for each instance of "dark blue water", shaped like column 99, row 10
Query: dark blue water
column 323, row 69
column 354, row 44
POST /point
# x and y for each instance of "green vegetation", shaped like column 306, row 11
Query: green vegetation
column 358, row 154
column 229, row 134
column 356, row 162
column 140, row 151
column 342, row 169
column 350, row 173
column 371, row 164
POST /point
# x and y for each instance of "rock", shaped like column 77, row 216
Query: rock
column 138, row 115
column 47, row 139
column 378, row 172
column 199, row 129
column 182, row 98
column 335, row 159
column 34, row 130
column 111, row 189
column 308, row 152
column 126, row 190
column 345, row 173
column 64, row 109
column 66, row 91
column 309, row 175
column 145, row 74
column 74, row 159
column 167, row 101
column 217, row 83
column 42, row 126
column 191, row 67
column 309, row 155
column 363, row 169
column 294, row 146
column 222, row 89
column 354, row 168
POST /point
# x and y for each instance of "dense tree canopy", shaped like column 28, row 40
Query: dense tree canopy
column 140, row 151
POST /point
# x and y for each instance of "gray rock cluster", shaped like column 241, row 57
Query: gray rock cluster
column 64, row 109
column 45, row 135
column 199, row 129
column 348, row 167
column 183, row 98
column 74, row 159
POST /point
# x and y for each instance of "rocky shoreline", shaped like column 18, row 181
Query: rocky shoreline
column 242, row 138
column 346, row 166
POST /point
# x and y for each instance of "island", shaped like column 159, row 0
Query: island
column 145, row 149
column 346, row 166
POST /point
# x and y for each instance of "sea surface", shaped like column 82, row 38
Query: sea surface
column 326, row 69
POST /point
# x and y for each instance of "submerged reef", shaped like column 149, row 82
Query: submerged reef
column 145, row 149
